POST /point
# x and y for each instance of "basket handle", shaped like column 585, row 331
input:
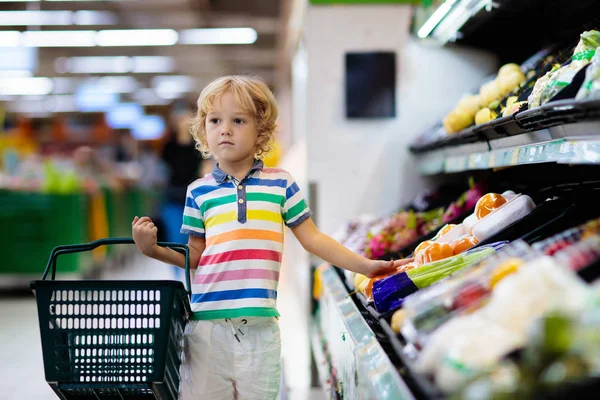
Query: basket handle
column 78, row 248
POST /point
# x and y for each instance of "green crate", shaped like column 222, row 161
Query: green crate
column 112, row 339
column 31, row 224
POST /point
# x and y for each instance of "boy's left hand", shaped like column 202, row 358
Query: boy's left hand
column 378, row 267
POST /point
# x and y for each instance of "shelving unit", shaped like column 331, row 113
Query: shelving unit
column 563, row 133
column 361, row 366
column 561, row 151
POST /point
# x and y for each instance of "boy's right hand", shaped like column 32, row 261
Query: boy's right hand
column 144, row 234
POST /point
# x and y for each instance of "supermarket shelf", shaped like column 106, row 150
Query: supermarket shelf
column 361, row 365
column 322, row 362
column 561, row 151
column 567, row 114
column 483, row 23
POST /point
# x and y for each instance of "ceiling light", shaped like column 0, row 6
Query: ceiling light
column 147, row 97
column 93, row 64
column 435, row 19
column 25, row 86
column 59, row 38
column 63, row 85
column 85, row 17
column 25, row 18
column 10, row 38
column 152, row 64
column 171, row 87
column 63, row 103
column 15, row 72
column 137, row 37
column 218, row 36
column 118, row 84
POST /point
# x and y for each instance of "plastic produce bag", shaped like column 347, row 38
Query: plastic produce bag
column 554, row 81
column 591, row 84
column 388, row 293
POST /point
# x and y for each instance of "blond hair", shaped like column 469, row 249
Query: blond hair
column 253, row 95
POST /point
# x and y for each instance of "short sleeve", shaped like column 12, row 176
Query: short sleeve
column 295, row 209
column 193, row 222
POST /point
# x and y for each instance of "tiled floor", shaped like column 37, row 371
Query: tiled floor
column 21, row 367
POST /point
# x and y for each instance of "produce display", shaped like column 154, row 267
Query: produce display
column 389, row 292
column 591, row 85
column 554, row 81
column 562, row 349
column 517, row 88
column 506, row 296
column 378, row 238
column 456, row 350
column 478, row 108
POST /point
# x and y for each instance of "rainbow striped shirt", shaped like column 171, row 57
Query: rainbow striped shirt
column 242, row 222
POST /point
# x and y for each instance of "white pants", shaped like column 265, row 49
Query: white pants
column 238, row 358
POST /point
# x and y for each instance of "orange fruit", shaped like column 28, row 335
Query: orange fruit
column 488, row 203
column 369, row 289
column 463, row 243
column 423, row 245
column 446, row 228
column 435, row 252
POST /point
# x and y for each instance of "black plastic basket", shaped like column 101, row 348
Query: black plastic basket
column 112, row 339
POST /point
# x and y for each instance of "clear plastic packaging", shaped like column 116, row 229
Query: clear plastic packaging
column 469, row 222
column 428, row 309
column 517, row 208
column 591, row 85
column 454, row 233
column 556, row 80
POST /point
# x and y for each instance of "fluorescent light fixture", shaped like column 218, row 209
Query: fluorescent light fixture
column 64, row 1
column 59, row 38
column 114, row 64
column 85, row 17
column 63, row 85
column 18, row 18
column 218, row 36
column 117, row 84
column 152, row 64
column 25, row 86
column 47, row 18
column 63, row 103
column 171, row 87
column 435, row 19
column 124, row 115
column 15, row 73
column 90, row 97
column 147, row 97
column 149, row 127
column 137, row 37
column 18, row 59
column 93, row 64
column 10, row 38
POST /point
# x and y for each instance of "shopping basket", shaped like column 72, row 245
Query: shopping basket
column 112, row 339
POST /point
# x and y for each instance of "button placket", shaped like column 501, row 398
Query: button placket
column 242, row 203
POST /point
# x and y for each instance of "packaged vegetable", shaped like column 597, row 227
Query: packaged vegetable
column 465, row 291
column 591, row 85
column 387, row 292
column 554, row 81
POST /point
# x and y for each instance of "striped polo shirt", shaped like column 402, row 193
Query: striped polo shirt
column 243, row 223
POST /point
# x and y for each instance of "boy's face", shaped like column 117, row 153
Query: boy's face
column 231, row 132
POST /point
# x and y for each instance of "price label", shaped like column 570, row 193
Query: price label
column 514, row 157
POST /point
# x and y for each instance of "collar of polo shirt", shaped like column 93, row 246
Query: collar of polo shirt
column 221, row 176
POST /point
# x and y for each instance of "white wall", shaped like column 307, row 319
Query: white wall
column 362, row 166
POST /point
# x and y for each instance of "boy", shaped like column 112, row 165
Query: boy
column 235, row 221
